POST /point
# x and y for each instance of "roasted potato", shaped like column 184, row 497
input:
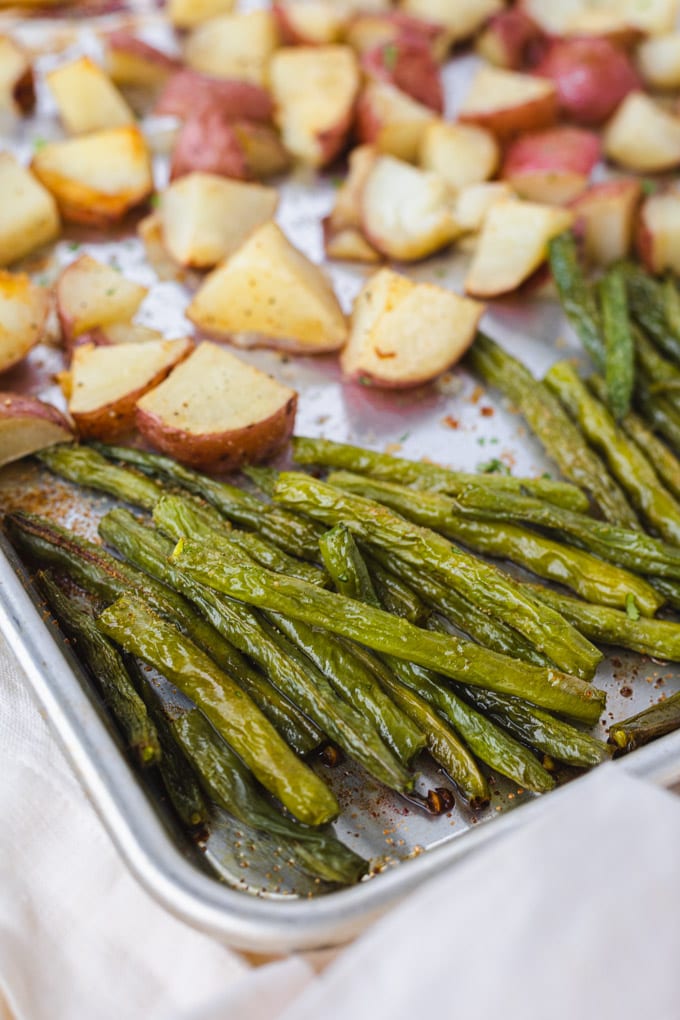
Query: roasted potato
column 404, row 334
column 86, row 98
column 213, row 142
column 96, row 179
column 106, row 382
column 391, row 121
column 215, row 412
column 658, row 231
column 28, row 425
column 551, row 166
column 407, row 64
column 460, row 153
column 17, row 86
column 315, row 90
column 642, row 136
column 237, row 46
column 507, row 103
column 605, row 219
column 131, row 61
column 407, row 213
column 592, row 77
column 91, row 294
column 23, row 311
column 30, row 217
column 188, row 93
column 206, row 218
column 269, row 294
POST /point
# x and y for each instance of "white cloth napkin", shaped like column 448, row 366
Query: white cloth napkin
column 575, row 916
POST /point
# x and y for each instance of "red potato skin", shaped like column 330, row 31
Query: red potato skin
column 24, row 92
column 335, row 139
column 592, row 77
column 213, row 143
column 397, row 26
column 409, row 65
column 367, row 125
column 123, row 41
column 221, row 452
column 510, row 121
column 511, row 40
column 18, row 405
column 117, row 419
column 560, row 149
column 187, row 93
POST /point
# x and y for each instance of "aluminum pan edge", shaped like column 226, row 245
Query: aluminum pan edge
column 244, row 922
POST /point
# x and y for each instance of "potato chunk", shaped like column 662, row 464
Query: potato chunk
column 29, row 213
column 216, row 413
column 23, row 311
column 269, row 294
column 86, row 98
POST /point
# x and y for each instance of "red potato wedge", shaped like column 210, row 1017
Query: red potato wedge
column 642, row 136
column 189, row 13
column 188, row 93
column 404, row 334
column 658, row 60
column 365, row 31
column 407, row 64
column 510, row 39
column 460, row 153
column 30, row 217
column 131, row 61
column 658, row 232
column 91, row 294
column 308, row 24
column 605, row 219
column 17, row 86
column 652, row 17
column 206, row 218
column 315, row 89
column 553, row 18
column 392, row 121
column 407, row 213
column 98, row 178
column 508, row 103
column 107, row 381
column 23, row 312
column 28, row 425
column 269, row 294
column 592, row 77
column 552, row 166
column 460, row 19
column 213, row 143
column 86, row 98
column 474, row 201
column 512, row 245
column 216, row 413
column 236, row 46
column 343, row 236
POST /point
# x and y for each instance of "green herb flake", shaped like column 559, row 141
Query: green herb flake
column 649, row 187
column 403, row 437
column 632, row 611
column 155, row 201
column 493, row 467
column 73, row 245
column 39, row 143
column 390, row 56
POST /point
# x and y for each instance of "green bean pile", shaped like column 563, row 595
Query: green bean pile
column 353, row 614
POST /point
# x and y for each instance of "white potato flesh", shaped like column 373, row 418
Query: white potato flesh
column 512, row 245
column 98, row 177
column 236, row 46
column 105, row 382
column 658, row 239
column 407, row 213
column 23, row 311
column 508, row 102
column 268, row 292
column 642, row 136
column 312, row 23
column 606, row 216
column 314, row 89
column 392, row 121
column 474, row 202
column 460, row 153
column 658, row 60
column 461, row 18
column 189, row 13
column 216, row 412
column 346, row 211
column 29, row 213
column 404, row 333
column 86, row 98
column 205, row 218
column 91, row 294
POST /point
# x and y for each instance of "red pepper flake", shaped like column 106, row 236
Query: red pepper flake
column 487, row 412
column 450, row 422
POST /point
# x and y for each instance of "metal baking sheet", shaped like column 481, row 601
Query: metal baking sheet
column 453, row 421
